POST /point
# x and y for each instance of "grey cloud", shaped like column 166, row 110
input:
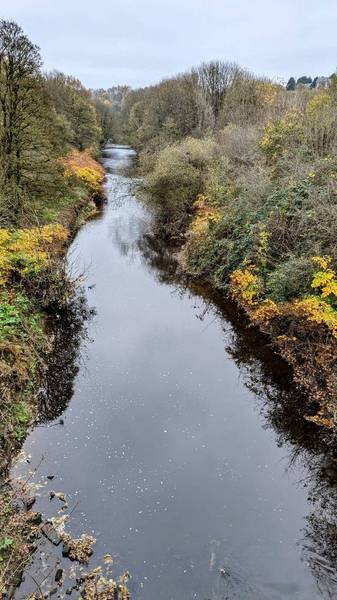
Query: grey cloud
column 105, row 42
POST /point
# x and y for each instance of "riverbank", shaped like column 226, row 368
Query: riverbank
column 256, row 235
column 35, row 288
column 36, row 296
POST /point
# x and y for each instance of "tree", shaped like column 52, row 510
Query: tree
column 31, row 135
column 161, row 113
column 84, row 119
column 291, row 85
column 105, row 119
column 304, row 80
column 247, row 100
column 215, row 78
column 76, row 106
column 20, row 109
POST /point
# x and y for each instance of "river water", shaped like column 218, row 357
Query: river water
column 179, row 435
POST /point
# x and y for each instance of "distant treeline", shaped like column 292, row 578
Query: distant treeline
column 203, row 99
column 305, row 81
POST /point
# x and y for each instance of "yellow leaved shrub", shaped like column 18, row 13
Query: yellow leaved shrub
column 246, row 289
column 325, row 280
column 205, row 214
column 245, row 286
column 24, row 252
column 281, row 135
column 83, row 167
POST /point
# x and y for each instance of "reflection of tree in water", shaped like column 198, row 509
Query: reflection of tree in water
column 309, row 447
column 128, row 227
column 124, row 234
column 283, row 409
column 68, row 331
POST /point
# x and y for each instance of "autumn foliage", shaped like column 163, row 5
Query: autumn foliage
column 25, row 252
column 243, row 179
column 304, row 330
column 81, row 166
column 206, row 213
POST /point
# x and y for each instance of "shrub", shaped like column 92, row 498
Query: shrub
column 246, row 286
column 290, row 279
column 240, row 144
column 317, row 311
column 205, row 214
column 325, row 280
column 321, row 123
column 178, row 177
column 81, row 166
column 282, row 136
column 25, row 252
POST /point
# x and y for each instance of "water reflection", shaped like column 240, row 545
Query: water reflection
column 68, row 332
column 311, row 449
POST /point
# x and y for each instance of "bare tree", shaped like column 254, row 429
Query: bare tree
column 215, row 78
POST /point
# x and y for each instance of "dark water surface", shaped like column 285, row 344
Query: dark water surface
column 181, row 440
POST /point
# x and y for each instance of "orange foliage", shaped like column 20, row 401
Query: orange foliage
column 83, row 167
column 206, row 213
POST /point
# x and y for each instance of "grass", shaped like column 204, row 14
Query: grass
column 23, row 343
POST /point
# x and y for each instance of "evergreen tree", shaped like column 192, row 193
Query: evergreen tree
column 304, row 80
column 291, row 85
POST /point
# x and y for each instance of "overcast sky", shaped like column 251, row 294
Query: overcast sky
column 137, row 42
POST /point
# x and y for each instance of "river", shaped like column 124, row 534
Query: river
column 179, row 437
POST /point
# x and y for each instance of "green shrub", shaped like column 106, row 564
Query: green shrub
column 5, row 544
column 178, row 177
column 16, row 315
column 290, row 279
